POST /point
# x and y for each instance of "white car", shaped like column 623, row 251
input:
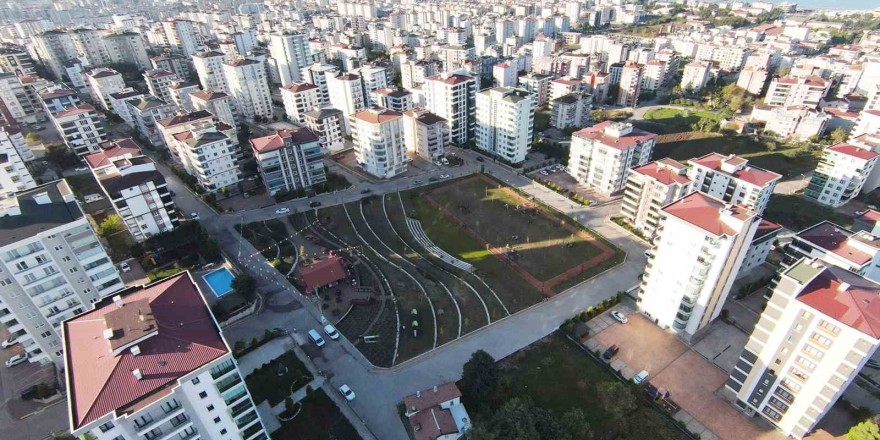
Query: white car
column 444, row 176
column 640, row 378
column 619, row 317
column 81, row 169
column 346, row 392
column 194, row 216
column 17, row 359
column 124, row 267
column 331, row 331
column 282, row 211
column 10, row 342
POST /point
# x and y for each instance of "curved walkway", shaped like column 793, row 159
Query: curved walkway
column 415, row 228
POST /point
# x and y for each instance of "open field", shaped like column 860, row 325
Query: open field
column 797, row 213
column 318, row 419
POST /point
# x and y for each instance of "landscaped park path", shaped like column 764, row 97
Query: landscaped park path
column 379, row 390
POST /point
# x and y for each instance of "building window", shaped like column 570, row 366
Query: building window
column 196, row 381
column 216, row 419
column 210, row 407
column 106, row 427
column 203, row 394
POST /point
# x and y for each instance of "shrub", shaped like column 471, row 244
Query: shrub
column 239, row 346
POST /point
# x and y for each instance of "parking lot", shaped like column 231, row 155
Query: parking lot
column 15, row 379
column 559, row 176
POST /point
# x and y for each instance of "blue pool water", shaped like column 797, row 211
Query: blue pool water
column 220, row 281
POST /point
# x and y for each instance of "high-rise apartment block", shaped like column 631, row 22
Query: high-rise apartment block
column 289, row 160
column 102, row 82
column 649, row 188
column 425, row 134
column 209, row 69
column 842, row 172
column 290, row 53
column 379, row 142
column 505, row 123
column 732, row 179
column 300, row 98
column 247, row 83
column 80, row 127
column 453, row 97
column 602, row 155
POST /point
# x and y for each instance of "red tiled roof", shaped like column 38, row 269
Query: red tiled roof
column 854, row 151
column 856, row 306
column 451, row 79
column 663, row 174
column 597, row 133
column 834, row 239
column 704, row 212
column 299, row 87
column 111, row 150
column 766, row 227
column 323, row 272
column 276, row 141
column 754, row 175
column 187, row 339
column 377, row 115
column 432, row 424
column 869, row 215
column 70, row 111
column 428, row 398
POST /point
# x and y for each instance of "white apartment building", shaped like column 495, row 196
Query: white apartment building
column 329, row 124
column 392, row 99
column 12, row 134
column 842, row 172
column 696, row 75
column 57, row 97
column 700, row 245
column 13, row 97
column 867, row 123
column 564, row 86
column 119, row 104
column 815, row 334
column 289, row 160
column 300, row 98
column 649, row 188
column 759, row 249
column 379, row 145
column 732, row 180
column 80, row 128
column 601, row 156
column 127, row 47
column 89, row 46
column 290, row 53
column 796, row 122
column 248, row 85
column 539, row 85
column 16, row 60
column 182, row 36
column 452, row 96
column 630, row 84
column 857, row 252
column 54, row 267
column 752, row 79
column 14, row 175
column 209, row 68
column 425, row 134
column 207, row 149
column 347, row 94
column 504, row 74
column 181, row 95
column 653, row 75
column 317, row 74
column 373, row 78
column 145, row 112
column 505, row 123
column 136, row 189
column 219, row 104
column 175, row 64
column 789, row 91
column 132, row 376
column 53, row 48
column 102, row 82
column 158, row 83
column 414, row 73
column 571, row 111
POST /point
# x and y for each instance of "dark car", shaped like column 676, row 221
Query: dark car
column 610, row 352
column 434, row 179
column 29, row 393
column 365, row 191
column 314, row 204
column 479, row 159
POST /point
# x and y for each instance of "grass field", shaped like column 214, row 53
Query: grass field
column 786, row 160
column 797, row 213
column 319, row 419
column 266, row 384
column 681, row 118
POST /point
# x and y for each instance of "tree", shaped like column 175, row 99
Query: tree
column 866, row 430
column 246, row 286
column 479, row 379
column 615, row 399
column 110, row 226
column 574, row 422
column 61, row 156
column 838, row 135
column 33, row 138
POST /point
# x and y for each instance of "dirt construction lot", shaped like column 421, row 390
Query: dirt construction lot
column 690, row 378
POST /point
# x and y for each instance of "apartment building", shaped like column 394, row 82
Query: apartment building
column 219, row 104
column 16, row 60
column 289, row 160
column 127, row 48
column 696, row 75
column 867, row 123
column 759, row 249
column 789, row 91
column 102, row 82
column 317, row 74
column 453, row 96
column 425, row 134
column 300, row 98
column 290, row 53
column 135, row 188
column 80, row 128
column 158, row 83
column 209, row 69
column 54, row 267
column 14, row 175
column 733, row 180
column 145, row 112
column 329, row 124
column 653, row 75
column 538, row 84
column 248, row 85
column 414, row 73
column 175, row 64
column 373, row 78
column 601, row 156
column 699, row 248
column 505, row 123
column 649, row 188
column 563, row 86
column 815, row 334
column 379, row 145
column 206, row 148
column 795, row 122
column 119, row 104
column 131, row 375
column 53, row 48
column 857, row 252
column 12, row 134
column 392, row 99
column 182, row 36
column 181, row 94
column 630, row 85
column 56, row 98
column 571, row 111
column 14, row 100
column 89, row 46
column 347, row 94
column 752, row 79
column 504, row 74
column 841, row 174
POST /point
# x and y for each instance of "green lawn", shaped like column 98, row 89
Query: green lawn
column 676, row 119
column 273, row 381
column 797, row 213
column 559, row 376
column 790, row 161
column 319, row 419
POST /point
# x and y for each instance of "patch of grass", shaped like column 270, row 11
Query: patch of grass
column 265, row 383
column 319, row 419
column 797, row 213
column 678, row 117
column 542, row 121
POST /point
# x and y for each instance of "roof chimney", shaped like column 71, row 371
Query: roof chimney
column 108, row 333
column 842, row 287
column 118, row 301
column 135, row 350
column 138, row 374
column 435, row 388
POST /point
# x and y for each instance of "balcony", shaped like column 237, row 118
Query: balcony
column 227, row 383
column 246, row 420
column 168, row 413
column 235, row 396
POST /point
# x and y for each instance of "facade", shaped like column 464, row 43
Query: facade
column 248, row 85
column 505, row 123
column 857, row 252
column 379, row 142
column 317, row 74
column 53, row 49
column 175, row 64
column 181, row 95
column 425, row 134
column 815, row 334
column 648, row 189
column 571, row 111
column 291, row 53
column 13, row 98
column 119, row 104
column 219, row 104
column 732, row 180
column 14, row 175
column 759, row 249
column 347, row 95
column 752, row 79
column 453, row 97
column 696, row 75
column 129, row 376
column 102, row 82
column 127, row 47
column 788, row 91
column 329, row 124
column 54, row 264
column 145, row 112
column 372, row 78
column 182, row 36
column 602, row 155
column 539, row 85
column 300, row 98
column 414, row 73
column 80, row 128
column 699, row 249
column 630, row 85
column 12, row 134
column 207, row 149
column 209, row 69
column 397, row 100
column 504, row 74
column 159, row 82
column 136, row 189
column 842, row 172
column 289, row 160
column 795, row 122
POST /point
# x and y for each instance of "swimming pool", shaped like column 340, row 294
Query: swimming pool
column 220, row 281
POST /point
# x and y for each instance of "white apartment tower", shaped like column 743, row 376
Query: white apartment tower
column 379, row 142
column 248, row 84
column 842, row 172
column 54, row 267
column 182, row 36
column 696, row 75
column 453, row 96
column 648, row 189
column 80, row 128
column 132, row 375
column 209, row 68
column 699, row 247
column 630, row 84
column 790, row 91
column 289, row 160
column 219, row 104
column 601, row 156
column 425, row 134
column 102, row 82
column 317, row 74
column 329, row 124
column 206, row 148
column 159, row 81
column 732, row 180
column 300, row 98
column 127, row 47
column 347, row 94
column 291, row 54
column 505, row 122
column 14, row 175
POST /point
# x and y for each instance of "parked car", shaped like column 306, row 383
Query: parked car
column 417, row 182
column 194, row 216
column 124, row 267
column 81, row 169
column 641, row 377
column 331, row 332
column 444, row 176
column 480, row 159
column 366, row 191
column 316, row 338
column 444, row 161
column 282, row 211
column 11, row 341
column 314, row 204
column 619, row 317
column 346, row 392
column 433, row 179
column 610, row 352
column 17, row 359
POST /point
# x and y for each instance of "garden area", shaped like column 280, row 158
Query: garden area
column 554, row 390
column 797, row 213
column 318, row 419
column 674, row 120
column 278, row 379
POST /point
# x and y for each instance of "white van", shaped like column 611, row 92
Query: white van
column 316, row 338
column 89, row 198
